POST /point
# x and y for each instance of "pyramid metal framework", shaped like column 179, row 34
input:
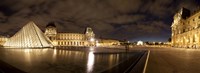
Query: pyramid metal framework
column 29, row 36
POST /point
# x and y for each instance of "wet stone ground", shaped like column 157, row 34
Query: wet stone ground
column 65, row 60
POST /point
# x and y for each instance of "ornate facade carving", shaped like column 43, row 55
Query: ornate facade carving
column 185, row 29
column 70, row 39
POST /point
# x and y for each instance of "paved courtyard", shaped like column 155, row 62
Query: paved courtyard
column 173, row 60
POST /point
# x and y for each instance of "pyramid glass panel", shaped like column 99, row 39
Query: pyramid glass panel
column 29, row 36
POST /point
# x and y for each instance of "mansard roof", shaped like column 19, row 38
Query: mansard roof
column 52, row 24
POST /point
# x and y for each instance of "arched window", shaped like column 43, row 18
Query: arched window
column 58, row 42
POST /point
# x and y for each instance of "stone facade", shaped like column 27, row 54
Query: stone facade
column 108, row 42
column 70, row 39
column 185, row 29
column 3, row 39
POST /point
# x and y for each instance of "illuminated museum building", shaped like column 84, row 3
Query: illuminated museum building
column 31, row 36
column 108, row 42
column 3, row 39
column 70, row 39
column 185, row 29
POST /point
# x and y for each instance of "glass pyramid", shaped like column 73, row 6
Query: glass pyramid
column 29, row 36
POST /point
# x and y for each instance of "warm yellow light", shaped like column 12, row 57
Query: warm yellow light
column 91, row 48
column 139, row 43
column 27, row 50
column 90, row 62
column 92, row 39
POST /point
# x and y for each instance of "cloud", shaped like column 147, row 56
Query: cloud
column 3, row 18
column 189, row 4
column 125, row 6
column 159, row 8
column 109, row 18
column 126, row 19
column 143, row 29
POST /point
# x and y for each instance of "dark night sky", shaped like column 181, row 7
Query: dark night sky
column 147, row 20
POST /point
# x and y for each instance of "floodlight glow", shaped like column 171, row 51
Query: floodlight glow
column 92, row 39
column 139, row 43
